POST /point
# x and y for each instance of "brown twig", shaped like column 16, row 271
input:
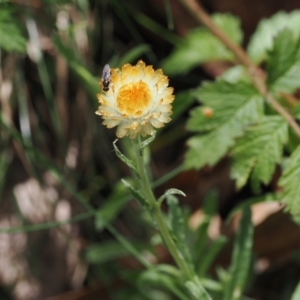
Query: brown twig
column 290, row 99
column 257, row 75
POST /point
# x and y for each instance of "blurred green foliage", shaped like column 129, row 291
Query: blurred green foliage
column 52, row 56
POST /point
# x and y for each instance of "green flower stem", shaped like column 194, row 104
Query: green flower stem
column 156, row 211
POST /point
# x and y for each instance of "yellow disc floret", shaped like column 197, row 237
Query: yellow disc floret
column 134, row 98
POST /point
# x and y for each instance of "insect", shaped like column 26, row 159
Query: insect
column 106, row 77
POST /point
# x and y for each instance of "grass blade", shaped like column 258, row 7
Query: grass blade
column 241, row 258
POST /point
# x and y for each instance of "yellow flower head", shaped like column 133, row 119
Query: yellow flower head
column 137, row 101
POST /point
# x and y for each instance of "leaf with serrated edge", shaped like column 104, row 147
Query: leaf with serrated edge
column 290, row 183
column 262, row 40
column 126, row 160
column 221, row 98
column 283, row 64
column 259, row 150
column 234, row 107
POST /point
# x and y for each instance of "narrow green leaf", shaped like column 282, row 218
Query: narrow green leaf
column 200, row 46
column 208, row 257
column 258, row 151
column 211, row 285
column 104, row 252
column 262, row 40
column 290, row 183
column 241, row 258
column 152, row 25
column 134, row 54
column 223, row 275
column 234, row 106
column 155, row 277
column 126, row 160
column 67, row 52
column 168, row 269
column 170, row 192
column 209, row 209
column 195, row 289
column 178, row 226
column 129, row 246
column 112, row 206
column 46, row 225
column 283, row 64
column 296, row 293
column 135, row 193
column 148, row 140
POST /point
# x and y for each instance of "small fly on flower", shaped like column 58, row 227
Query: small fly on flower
column 106, row 77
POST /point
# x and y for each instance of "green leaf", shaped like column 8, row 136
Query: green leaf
column 178, row 227
column 135, row 193
column 168, row 269
column 129, row 246
column 234, row 106
column 290, row 180
column 262, row 39
column 283, row 64
column 183, row 100
column 170, row 192
column 146, row 142
column 195, row 289
column 208, row 257
column 236, row 74
column 241, row 258
column 211, row 285
column 200, row 46
column 156, row 277
column 202, row 237
column 11, row 38
column 296, row 293
column 133, row 54
column 112, row 206
column 126, row 160
column 296, row 111
column 104, row 252
column 259, row 150
column 89, row 81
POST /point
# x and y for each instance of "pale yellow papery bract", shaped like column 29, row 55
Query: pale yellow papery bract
column 138, row 100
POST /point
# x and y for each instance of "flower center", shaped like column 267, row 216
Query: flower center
column 134, row 98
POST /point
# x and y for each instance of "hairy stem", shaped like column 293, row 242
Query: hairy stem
column 146, row 190
column 156, row 211
column 257, row 74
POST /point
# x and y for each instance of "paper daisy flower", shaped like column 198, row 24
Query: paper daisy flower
column 137, row 100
